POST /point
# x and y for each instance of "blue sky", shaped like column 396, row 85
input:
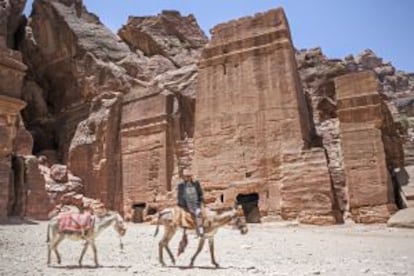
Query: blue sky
column 339, row 27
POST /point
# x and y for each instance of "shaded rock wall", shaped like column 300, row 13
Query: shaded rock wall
column 94, row 153
column 73, row 58
column 10, row 17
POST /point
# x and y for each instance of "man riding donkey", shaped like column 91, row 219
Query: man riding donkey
column 191, row 214
column 190, row 198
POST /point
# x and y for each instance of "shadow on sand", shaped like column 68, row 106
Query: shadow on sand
column 17, row 221
column 184, row 267
column 88, row 266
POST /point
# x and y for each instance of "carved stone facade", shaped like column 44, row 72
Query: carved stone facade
column 253, row 127
column 12, row 71
column 147, row 156
column 363, row 121
column 9, row 118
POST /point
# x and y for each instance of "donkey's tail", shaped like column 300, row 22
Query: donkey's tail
column 48, row 233
column 160, row 214
column 158, row 224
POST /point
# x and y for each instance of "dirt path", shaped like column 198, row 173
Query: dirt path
column 268, row 249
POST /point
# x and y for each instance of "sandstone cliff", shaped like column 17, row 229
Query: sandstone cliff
column 258, row 121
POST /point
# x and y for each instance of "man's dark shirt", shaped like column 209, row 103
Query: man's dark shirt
column 190, row 204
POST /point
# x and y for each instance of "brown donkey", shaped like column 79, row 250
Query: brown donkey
column 174, row 218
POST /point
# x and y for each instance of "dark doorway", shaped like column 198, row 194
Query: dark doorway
column 250, row 206
column 138, row 216
column 398, row 179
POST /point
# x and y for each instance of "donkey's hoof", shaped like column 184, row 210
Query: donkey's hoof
column 216, row 265
column 191, row 264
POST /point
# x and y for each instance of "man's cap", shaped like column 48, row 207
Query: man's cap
column 187, row 172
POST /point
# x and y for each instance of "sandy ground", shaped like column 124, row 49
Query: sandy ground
column 276, row 248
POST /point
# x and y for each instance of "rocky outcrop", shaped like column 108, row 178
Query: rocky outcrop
column 10, row 17
column 37, row 203
column 48, row 190
column 363, row 124
column 14, row 21
column 94, row 153
column 73, row 58
column 4, row 15
column 169, row 45
column 317, row 75
column 177, row 38
column 318, row 72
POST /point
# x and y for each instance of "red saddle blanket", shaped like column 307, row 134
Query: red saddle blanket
column 75, row 222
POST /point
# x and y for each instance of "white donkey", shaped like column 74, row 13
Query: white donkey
column 174, row 218
column 88, row 234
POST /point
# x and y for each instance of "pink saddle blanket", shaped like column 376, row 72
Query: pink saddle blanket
column 75, row 222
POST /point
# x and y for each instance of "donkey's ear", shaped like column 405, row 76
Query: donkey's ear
column 239, row 210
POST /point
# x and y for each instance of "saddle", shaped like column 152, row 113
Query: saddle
column 75, row 222
column 186, row 219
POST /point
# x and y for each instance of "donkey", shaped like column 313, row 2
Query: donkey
column 174, row 218
column 88, row 234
